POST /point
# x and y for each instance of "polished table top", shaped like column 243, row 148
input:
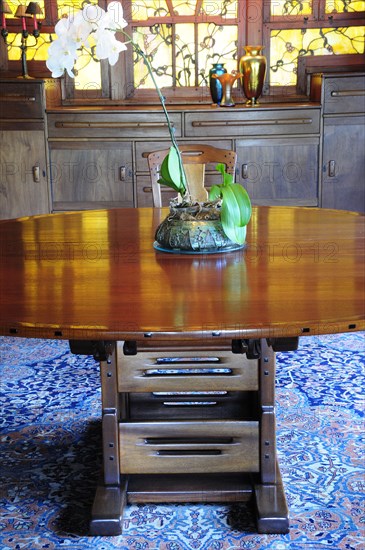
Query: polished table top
column 96, row 275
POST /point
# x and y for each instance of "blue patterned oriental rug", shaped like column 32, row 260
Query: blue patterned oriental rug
column 51, row 456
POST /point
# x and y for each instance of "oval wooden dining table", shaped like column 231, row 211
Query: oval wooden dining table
column 186, row 343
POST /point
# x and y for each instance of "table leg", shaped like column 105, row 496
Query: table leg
column 270, row 503
column 272, row 514
column 111, row 494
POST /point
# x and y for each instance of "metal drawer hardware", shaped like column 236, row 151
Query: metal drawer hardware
column 17, row 97
column 347, row 93
column 245, row 171
column 170, row 360
column 332, row 168
column 36, row 174
column 189, row 403
column 267, row 122
column 187, row 393
column 122, row 173
column 63, row 124
column 189, row 440
column 186, row 372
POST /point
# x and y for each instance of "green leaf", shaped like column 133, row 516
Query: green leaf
column 174, row 168
column 161, row 181
column 227, row 179
column 215, row 192
column 234, row 215
column 221, row 168
column 170, row 172
column 243, row 201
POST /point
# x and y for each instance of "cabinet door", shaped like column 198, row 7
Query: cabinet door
column 88, row 175
column 23, row 183
column 279, row 171
column 343, row 184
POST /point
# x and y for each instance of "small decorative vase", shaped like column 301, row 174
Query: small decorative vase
column 216, row 89
column 227, row 80
column 253, row 68
column 195, row 229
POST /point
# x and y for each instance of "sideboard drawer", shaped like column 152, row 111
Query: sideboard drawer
column 256, row 122
column 189, row 447
column 192, row 405
column 183, row 371
column 345, row 94
column 111, row 125
column 21, row 99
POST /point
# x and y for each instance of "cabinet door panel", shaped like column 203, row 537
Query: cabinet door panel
column 23, row 183
column 279, row 171
column 91, row 175
column 343, row 184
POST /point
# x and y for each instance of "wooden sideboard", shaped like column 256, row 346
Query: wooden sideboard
column 306, row 154
column 24, row 182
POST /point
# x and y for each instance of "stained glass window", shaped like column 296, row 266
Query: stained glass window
column 290, row 7
column 183, row 38
column 180, row 43
column 344, row 6
column 286, row 46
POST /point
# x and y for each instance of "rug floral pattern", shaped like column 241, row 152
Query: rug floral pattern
column 51, row 441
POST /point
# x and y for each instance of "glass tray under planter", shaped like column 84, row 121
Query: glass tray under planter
column 233, row 248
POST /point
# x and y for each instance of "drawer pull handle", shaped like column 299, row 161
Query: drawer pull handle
column 64, row 124
column 169, row 360
column 122, row 173
column 189, row 452
column 245, row 171
column 17, row 97
column 188, row 440
column 186, row 372
column 347, row 93
column 228, row 123
column 188, row 393
column 36, row 174
column 332, row 168
column 189, row 403
column 149, row 189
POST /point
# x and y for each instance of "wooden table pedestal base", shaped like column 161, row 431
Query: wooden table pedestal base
column 269, row 501
column 170, row 415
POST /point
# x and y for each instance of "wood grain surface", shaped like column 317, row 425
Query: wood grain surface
column 96, row 275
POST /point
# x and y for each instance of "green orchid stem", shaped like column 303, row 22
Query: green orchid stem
column 162, row 101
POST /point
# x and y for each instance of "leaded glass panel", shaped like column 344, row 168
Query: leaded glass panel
column 65, row 7
column 217, row 44
column 144, row 9
column 224, row 8
column 183, row 7
column 290, row 7
column 344, row 6
column 156, row 43
column 37, row 50
column 287, row 45
column 188, row 61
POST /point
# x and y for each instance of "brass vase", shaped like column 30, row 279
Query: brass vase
column 252, row 65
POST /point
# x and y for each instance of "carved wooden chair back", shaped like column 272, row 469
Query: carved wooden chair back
column 195, row 158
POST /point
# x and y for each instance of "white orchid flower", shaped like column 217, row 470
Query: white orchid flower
column 62, row 54
column 108, row 47
column 74, row 31
column 92, row 14
column 114, row 16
